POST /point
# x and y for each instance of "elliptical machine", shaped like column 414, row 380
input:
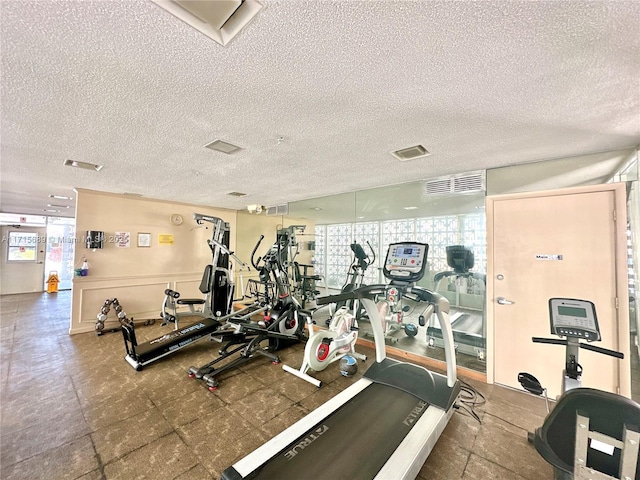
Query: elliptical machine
column 590, row 434
column 355, row 276
column 280, row 326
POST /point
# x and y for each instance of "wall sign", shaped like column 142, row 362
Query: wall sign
column 165, row 239
column 541, row 256
column 122, row 239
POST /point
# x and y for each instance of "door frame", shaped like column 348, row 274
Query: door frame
column 622, row 281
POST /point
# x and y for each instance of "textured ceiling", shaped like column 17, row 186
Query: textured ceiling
column 317, row 93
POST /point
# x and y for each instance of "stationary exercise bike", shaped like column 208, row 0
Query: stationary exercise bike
column 327, row 346
column 590, row 434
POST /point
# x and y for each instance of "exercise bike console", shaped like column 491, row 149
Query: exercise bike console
column 574, row 318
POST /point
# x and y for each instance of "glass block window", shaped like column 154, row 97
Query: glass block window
column 397, row 231
column 320, row 252
column 473, row 234
column 364, row 232
column 339, row 237
column 438, row 232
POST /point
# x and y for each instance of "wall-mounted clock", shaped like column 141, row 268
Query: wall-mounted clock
column 176, row 219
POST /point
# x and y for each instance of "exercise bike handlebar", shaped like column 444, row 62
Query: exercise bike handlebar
column 362, row 292
column 586, row 346
column 604, row 351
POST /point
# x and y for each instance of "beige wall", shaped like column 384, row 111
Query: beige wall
column 138, row 276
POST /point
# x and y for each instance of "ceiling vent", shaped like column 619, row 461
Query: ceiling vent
column 278, row 210
column 224, row 147
column 411, row 153
column 85, row 165
column 220, row 20
column 456, row 184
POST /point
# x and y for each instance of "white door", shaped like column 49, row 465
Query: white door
column 561, row 244
column 23, row 254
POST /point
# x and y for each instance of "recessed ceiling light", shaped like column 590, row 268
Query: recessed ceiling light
column 410, row 208
column 57, row 206
column 85, row 165
column 224, row 147
column 50, row 210
column 60, row 197
column 237, row 194
column 359, row 218
column 411, row 153
column 317, row 209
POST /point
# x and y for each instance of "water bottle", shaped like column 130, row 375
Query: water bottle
column 85, row 268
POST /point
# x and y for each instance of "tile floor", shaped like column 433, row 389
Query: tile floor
column 72, row 408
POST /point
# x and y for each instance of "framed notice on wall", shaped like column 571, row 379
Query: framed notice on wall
column 144, row 239
column 164, row 239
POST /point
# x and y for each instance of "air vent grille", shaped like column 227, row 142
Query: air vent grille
column 278, row 210
column 456, row 184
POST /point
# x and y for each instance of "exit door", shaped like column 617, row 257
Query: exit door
column 564, row 243
column 23, row 253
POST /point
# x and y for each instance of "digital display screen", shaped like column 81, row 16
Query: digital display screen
column 574, row 318
column 572, row 311
column 406, row 252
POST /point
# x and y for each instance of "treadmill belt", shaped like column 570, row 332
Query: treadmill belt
column 354, row 442
column 468, row 323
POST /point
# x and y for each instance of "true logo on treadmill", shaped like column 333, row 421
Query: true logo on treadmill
column 415, row 414
column 305, row 442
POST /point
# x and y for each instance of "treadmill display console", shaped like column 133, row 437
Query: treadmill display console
column 574, row 318
column 406, row 261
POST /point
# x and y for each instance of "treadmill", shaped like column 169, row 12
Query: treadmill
column 468, row 323
column 385, row 424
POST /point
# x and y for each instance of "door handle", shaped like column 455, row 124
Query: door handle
column 504, row 301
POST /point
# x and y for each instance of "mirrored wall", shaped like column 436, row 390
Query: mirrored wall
column 350, row 240
column 453, row 222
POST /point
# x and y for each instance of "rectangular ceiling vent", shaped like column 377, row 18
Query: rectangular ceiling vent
column 220, row 20
column 456, row 184
column 411, row 153
column 224, row 147
column 83, row 165
column 278, row 210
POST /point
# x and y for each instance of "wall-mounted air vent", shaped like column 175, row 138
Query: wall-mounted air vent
column 411, row 153
column 220, row 20
column 278, row 210
column 455, row 184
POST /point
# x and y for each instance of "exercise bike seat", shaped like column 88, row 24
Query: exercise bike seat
column 607, row 413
